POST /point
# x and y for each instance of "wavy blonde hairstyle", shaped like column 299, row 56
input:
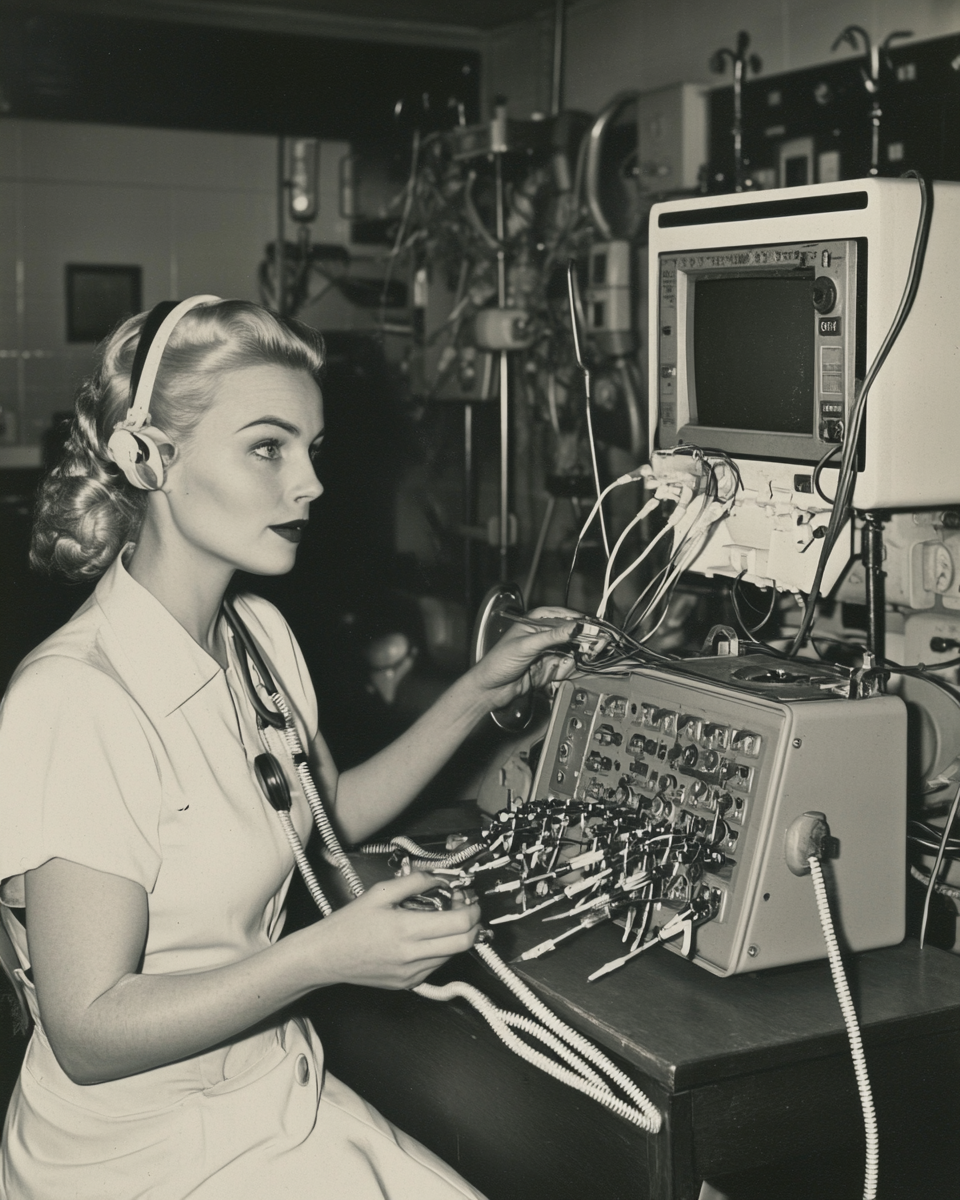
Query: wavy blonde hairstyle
column 87, row 510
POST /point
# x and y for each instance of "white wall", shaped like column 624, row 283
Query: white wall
column 613, row 45
column 193, row 210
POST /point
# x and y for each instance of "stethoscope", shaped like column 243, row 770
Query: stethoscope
column 276, row 725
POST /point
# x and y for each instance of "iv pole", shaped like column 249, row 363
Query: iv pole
column 742, row 62
column 504, row 521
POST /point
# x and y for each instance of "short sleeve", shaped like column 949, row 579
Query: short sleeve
column 78, row 777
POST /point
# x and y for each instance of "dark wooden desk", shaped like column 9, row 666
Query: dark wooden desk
column 749, row 1070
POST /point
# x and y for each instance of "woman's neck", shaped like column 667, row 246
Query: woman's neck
column 191, row 591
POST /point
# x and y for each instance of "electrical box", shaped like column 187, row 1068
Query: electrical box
column 672, row 137
column 728, row 753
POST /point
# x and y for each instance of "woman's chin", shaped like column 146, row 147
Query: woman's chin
column 271, row 564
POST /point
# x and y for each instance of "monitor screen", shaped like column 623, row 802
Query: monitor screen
column 753, row 352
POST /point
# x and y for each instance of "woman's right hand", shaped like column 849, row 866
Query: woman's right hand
column 375, row 942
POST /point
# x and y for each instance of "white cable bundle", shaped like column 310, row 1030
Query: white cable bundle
column 553, row 1032
column 853, row 1032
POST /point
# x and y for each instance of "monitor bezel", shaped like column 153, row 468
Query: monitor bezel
column 801, row 448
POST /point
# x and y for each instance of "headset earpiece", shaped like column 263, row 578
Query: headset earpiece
column 130, row 445
column 138, row 457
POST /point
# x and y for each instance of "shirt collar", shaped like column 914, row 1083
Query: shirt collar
column 167, row 665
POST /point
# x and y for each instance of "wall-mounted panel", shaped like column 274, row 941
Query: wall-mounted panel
column 919, row 115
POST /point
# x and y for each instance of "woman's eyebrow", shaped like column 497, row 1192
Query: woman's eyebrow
column 278, row 421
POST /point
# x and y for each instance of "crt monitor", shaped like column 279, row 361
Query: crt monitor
column 767, row 309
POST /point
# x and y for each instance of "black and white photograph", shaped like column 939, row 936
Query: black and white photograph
column 480, row 599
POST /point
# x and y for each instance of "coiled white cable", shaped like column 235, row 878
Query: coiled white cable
column 426, row 858
column 653, row 1119
column 304, row 774
column 638, row 1109
column 853, row 1032
column 313, row 887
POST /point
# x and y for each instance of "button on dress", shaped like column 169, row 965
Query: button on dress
column 126, row 748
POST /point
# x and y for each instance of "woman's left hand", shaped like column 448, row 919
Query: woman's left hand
column 524, row 659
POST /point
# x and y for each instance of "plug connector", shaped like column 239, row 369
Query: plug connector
column 808, row 836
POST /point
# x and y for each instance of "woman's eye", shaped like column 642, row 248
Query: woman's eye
column 269, row 449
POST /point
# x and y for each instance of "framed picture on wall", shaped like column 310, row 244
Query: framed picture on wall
column 99, row 297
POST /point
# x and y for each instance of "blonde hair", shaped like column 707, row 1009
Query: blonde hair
column 87, row 510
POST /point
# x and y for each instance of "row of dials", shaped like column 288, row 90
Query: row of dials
column 710, row 735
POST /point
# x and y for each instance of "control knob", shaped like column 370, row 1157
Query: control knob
column 824, row 294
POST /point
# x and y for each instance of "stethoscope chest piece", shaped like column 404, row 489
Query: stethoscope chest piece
column 273, row 781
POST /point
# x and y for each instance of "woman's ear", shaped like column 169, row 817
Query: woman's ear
column 164, row 443
column 166, row 448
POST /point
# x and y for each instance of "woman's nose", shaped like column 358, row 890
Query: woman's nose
column 309, row 487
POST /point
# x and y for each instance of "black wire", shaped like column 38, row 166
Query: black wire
column 817, row 470
column 921, row 669
column 848, row 468
column 736, row 607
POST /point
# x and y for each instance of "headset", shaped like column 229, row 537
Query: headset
column 130, row 446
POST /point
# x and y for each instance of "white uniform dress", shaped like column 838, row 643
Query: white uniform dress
column 125, row 747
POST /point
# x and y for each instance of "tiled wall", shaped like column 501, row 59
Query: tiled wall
column 193, row 210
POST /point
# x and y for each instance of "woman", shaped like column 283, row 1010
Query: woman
column 142, row 871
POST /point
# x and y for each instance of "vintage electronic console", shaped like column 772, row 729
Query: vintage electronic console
column 731, row 751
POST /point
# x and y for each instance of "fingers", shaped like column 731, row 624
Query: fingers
column 444, row 948
column 532, row 645
column 431, row 926
column 389, row 893
column 565, row 668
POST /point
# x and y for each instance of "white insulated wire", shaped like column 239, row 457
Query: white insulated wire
column 608, row 587
column 630, row 477
column 303, row 863
column 686, row 552
column 853, row 1032
column 596, row 469
column 935, row 871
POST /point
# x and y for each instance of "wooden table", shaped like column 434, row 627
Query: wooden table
column 747, row 1070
